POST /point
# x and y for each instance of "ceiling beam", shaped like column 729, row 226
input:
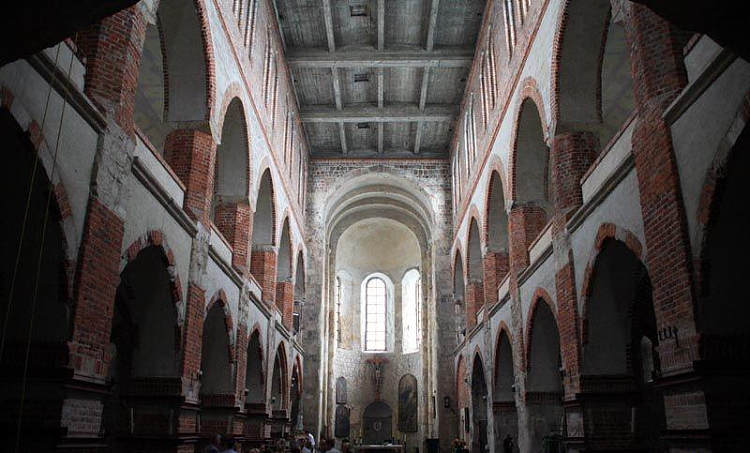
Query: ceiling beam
column 429, row 44
column 443, row 58
column 328, row 16
column 372, row 114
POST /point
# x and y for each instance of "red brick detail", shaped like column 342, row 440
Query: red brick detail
column 235, row 222
column 572, row 155
column 539, row 295
column 567, row 316
column 474, row 302
column 525, row 224
column 263, row 268
column 97, row 277
column 113, row 50
column 63, row 204
column 193, row 331
column 462, row 391
column 190, row 153
column 285, row 302
column 6, row 97
column 659, row 74
column 496, row 267
column 240, row 358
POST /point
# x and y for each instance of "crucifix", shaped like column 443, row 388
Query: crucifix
column 378, row 365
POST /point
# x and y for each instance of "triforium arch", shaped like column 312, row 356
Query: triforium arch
column 619, row 339
column 284, row 281
column 146, row 334
column 255, row 383
column 35, row 283
column 592, row 87
column 299, row 289
column 280, row 380
column 544, row 389
column 264, row 253
column 504, row 412
column 530, row 182
column 459, row 293
column 496, row 259
column 217, row 353
column 175, row 79
column 474, row 272
column 721, row 318
column 479, row 403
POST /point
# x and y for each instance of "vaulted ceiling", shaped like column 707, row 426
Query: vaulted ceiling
column 379, row 78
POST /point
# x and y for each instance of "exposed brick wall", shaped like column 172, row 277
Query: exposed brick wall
column 572, row 155
column 113, row 54
column 285, row 302
column 474, row 302
column 192, row 331
column 97, row 278
column 235, row 222
column 496, row 267
column 191, row 154
column 263, row 268
column 525, row 222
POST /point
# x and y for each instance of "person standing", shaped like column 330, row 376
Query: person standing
column 508, row 444
column 214, row 445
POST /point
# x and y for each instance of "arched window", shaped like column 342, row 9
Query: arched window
column 411, row 304
column 375, row 315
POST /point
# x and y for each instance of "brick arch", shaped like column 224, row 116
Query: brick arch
column 606, row 231
column 157, row 239
column 220, row 297
column 461, row 395
column 531, row 92
column 456, row 255
column 298, row 366
column 540, row 294
column 285, row 374
column 261, row 356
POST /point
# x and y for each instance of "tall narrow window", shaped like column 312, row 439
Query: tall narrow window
column 375, row 315
column 510, row 25
column 411, row 302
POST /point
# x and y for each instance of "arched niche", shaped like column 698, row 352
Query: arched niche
column 284, row 260
column 497, row 231
column 172, row 78
column 279, row 380
column 504, row 411
column 232, row 168
column 265, row 212
column 254, row 376
column 459, row 294
column 544, row 381
column 478, row 406
column 594, row 82
column 532, row 170
column 216, row 357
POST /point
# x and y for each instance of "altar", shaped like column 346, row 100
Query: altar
column 378, row 448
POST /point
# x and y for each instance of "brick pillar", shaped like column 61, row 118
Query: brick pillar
column 474, row 301
column 263, row 268
column 572, row 155
column 192, row 332
column 495, row 266
column 190, row 153
column 235, row 221
column 240, row 357
column 285, row 302
column 525, row 223
column 113, row 50
column 658, row 77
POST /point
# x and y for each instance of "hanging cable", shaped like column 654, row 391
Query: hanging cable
column 40, row 257
column 11, row 293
